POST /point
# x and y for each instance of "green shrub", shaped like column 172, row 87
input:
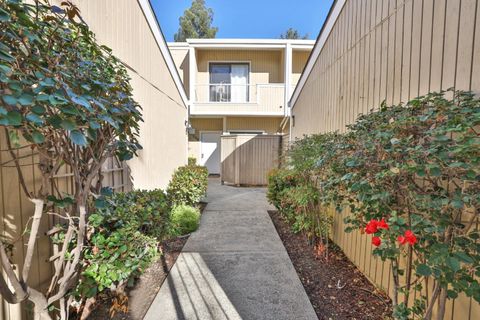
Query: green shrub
column 144, row 210
column 123, row 237
column 192, row 161
column 188, row 185
column 410, row 177
column 278, row 181
column 184, row 219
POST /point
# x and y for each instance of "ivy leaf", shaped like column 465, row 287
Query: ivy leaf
column 78, row 138
column 424, row 270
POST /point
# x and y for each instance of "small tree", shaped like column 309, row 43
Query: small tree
column 69, row 100
column 293, row 34
column 196, row 23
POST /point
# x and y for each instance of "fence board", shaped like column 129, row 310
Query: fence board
column 246, row 159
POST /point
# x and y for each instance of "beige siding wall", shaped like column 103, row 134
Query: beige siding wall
column 389, row 50
column 270, row 125
column 393, row 51
column 267, row 124
column 181, row 59
column 299, row 60
column 122, row 26
column 266, row 66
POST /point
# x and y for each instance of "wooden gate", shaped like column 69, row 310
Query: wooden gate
column 247, row 158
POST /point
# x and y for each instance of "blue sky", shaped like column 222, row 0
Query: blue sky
column 236, row 19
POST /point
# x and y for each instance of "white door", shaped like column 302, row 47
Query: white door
column 210, row 151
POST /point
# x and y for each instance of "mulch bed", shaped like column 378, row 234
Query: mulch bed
column 354, row 297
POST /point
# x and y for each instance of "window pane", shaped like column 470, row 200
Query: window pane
column 220, row 73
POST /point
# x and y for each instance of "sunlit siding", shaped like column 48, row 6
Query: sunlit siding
column 299, row 60
column 180, row 57
column 393, row 51
column 389, row 50
column 270, row 125
column 122, row 26
column 266, row 66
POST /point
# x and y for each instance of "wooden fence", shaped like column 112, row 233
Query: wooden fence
column 358, row 248
column 247, row 158
column 16, row 211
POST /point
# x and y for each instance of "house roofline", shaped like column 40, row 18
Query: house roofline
column 152, row 21
column 327, row 27
column 216, row 43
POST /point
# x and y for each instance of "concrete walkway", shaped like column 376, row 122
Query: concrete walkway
column 233, row 267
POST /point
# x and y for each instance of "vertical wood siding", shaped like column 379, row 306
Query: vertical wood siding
column 265, row 66
column 247, row 159
column 393, row 51
column 121, row 25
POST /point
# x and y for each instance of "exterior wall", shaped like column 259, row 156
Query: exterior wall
column 389, row 50
column 122, row 26
column 394, row 51
column 180, row 57
column 265, row 65
column 299, row 60
column 268, row 124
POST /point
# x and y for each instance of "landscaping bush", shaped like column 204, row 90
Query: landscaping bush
column 188, row 185
column 142, row 210
column 123, row 237
column 410, row 175
column 297, row 200
column 184, row 219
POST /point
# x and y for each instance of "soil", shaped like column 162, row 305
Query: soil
column 335, row 287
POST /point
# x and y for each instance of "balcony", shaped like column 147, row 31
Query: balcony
column 239, row 99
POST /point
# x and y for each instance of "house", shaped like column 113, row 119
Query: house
column 237, row 86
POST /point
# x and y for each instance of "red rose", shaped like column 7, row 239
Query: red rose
column 409, row 237
column 371, row 227
column 382, row 224
column 376, row 241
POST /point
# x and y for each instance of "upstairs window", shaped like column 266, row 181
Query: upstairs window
column 229, row 82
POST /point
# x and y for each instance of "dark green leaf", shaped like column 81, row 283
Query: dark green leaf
column 78, row 138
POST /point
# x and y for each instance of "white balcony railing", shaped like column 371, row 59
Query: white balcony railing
column 239, row 99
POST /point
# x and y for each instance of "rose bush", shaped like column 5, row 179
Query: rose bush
column 410, row 175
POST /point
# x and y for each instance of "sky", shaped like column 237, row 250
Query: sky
column 250, row 18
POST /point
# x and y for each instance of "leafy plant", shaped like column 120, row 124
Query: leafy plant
column 70, row 101
column 410, row 176
column 144, row 210
column 118, row 248
column 184, row 219
column 188, row 185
